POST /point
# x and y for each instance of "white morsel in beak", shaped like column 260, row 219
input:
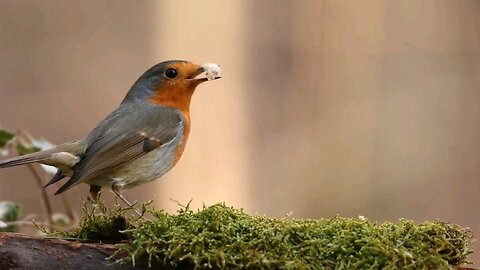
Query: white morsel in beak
column 211, row 70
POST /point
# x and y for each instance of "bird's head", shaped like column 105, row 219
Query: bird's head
column 171, row 83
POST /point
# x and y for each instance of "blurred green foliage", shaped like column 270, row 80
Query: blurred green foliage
column 5, row 138
column 24, row 149
column 9, row 211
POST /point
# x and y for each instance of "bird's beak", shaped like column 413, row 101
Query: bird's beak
column 208, row 76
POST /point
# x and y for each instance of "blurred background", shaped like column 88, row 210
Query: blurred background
column 325, row 107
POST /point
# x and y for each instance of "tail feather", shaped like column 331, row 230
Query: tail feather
column 73, row 147
column 57, row 177
column 25, row 159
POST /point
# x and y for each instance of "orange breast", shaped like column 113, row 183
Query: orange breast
column 181, row 147
column 173, row 96
column 178, row 97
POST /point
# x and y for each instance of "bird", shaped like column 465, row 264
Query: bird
column 141, row 140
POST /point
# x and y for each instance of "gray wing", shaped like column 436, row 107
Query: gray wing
column 128, row 133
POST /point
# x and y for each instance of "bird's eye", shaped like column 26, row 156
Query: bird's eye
column 171, row 73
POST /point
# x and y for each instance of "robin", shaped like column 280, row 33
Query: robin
column 139, row 141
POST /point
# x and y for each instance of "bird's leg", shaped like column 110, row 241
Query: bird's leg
column 122, row 197
column 95, row 193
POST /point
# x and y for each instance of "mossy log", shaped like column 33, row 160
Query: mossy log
column 19, row 251
column 220, row 237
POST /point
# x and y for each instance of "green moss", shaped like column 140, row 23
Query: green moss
column 221, row 237
column 102, row 223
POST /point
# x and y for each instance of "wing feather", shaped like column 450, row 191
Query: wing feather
column 116, row 147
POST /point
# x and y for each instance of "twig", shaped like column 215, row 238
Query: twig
column 46, row 201
column 24, row 132
column 31, row 224
column 66, row 203
column 38, row 178
column 24, row 136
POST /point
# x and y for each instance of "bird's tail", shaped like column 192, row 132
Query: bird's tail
column 25, row 159
column 74, row 147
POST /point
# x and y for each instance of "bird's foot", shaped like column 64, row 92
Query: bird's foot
column 122, row 197
column 95, row 194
